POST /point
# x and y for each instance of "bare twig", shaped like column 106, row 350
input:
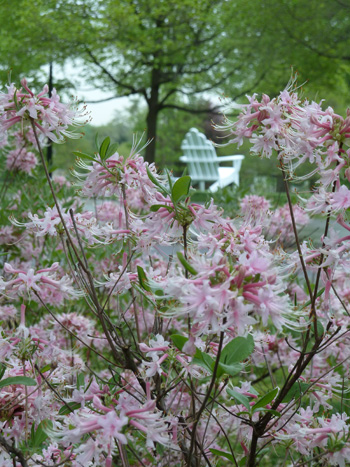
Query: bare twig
column 14, row 451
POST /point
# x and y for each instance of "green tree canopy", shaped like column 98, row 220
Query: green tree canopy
column 152, row 48
column 168, row 52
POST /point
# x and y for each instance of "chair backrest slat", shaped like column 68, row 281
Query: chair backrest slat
column 201, row 156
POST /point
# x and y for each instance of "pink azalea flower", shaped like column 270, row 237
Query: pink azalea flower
column 341, row 199
column 50, row 116
column 25, row 281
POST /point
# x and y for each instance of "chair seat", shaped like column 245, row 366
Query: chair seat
column 225, row 172
column 227, row 175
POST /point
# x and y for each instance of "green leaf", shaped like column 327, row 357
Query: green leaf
column 216, row 452
column 169, row 180
column 181, row 188
column 204, row 360
column 200, row 358
column 155, row 182
column 274, row 412
column 160, row 449
column 2, row 370
column 269, row 397
column 320, row 328
column 32, row 433
column 24, row 380
column 318, row 295
column 232, row 369
column 238, row 397
column 156, row 207
column 80, row 380
column 144, row 283
column 104, row 147
column 186, row 264
column 45, row 368
column 97, row 143
column 82, row 155
column 237, row 350
column 143, row 279
column 69, row 408
column 15, row 100
column 112, row 150
column 178, row 340
column 142, row 292
column 40, row 435
column 297, row 390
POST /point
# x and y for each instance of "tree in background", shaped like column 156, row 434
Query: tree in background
column 314, row 37
column 172, row 129
column 120, row 129
column 168, row 52
column 154, row 49
column 162, row 50
column 30, row 42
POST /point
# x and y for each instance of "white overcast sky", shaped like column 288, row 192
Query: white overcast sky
column 101, row 113
column 104, row 112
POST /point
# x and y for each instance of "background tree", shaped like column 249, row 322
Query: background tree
column 29, row 41
column 168, row 52
column 314, row 37
column 160, row 50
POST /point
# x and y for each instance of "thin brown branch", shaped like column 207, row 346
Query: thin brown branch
column 14, row 451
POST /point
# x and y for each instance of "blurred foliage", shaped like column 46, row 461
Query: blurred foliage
column 119, row 130
column 30, row 40
column 177, row 50
column 228, row 198
column 173, row 124
column 166, row 53
column 314, row 37
column 261, row 177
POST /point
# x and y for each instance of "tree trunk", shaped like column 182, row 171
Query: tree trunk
column 49, row 145
column 152, row 115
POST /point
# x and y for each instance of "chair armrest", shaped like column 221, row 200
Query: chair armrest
column 236, row 157
column 197, row 159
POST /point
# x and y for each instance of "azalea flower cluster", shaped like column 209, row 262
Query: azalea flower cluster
column 22, row 160
column 26, row 281
column 111, row 174
column 277, row 224
column 85, row 223
column 20, row 148
column 151, row 330
column 50, row 116
column 299, row 131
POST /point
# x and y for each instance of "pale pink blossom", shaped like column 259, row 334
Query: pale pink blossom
column 51, row 117
column 21, row 159
column 26, row 281
column 340, row 199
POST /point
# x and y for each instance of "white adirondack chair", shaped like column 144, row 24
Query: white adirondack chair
column 203, row 163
